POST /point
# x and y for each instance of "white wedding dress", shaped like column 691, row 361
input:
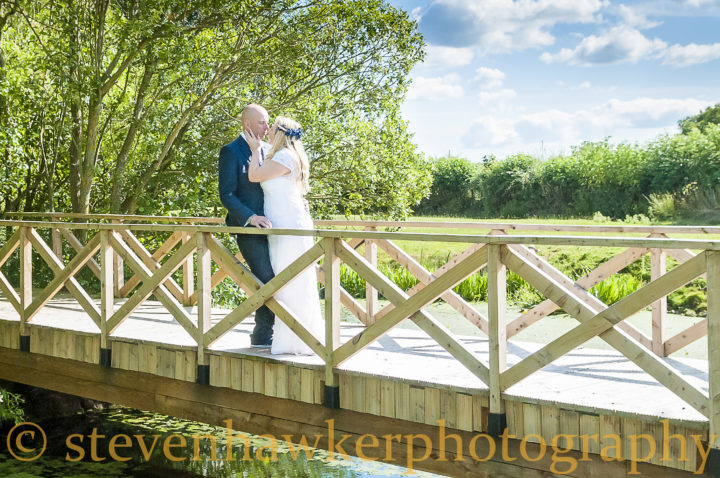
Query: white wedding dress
column 285, row 208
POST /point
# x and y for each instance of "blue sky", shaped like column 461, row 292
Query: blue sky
column 540, row 76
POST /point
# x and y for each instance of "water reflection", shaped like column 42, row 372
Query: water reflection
column 122, row 442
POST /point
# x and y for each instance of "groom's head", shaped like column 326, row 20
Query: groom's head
column 255, row 118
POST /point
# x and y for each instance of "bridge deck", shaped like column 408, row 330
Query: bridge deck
column 588, row 380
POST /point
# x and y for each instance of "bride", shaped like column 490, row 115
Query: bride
column 283, row 176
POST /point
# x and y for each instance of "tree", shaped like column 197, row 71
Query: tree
column 134, row 99
column 711, row 115
column 452, row 190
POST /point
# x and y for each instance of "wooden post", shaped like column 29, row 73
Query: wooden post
column 331, row 267
column 204, row 301
column 25, row 286
column 57, row 243
column 658, row 267
column 713, row 316
column 497, row 304
column 118, row 267
column 188, row 275
column 371, row 293
column 107, row 294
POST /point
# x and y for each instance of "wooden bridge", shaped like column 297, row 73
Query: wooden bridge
column 422, row 396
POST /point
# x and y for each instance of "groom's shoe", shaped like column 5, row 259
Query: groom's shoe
column 260, row 344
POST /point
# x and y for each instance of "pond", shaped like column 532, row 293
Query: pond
column 93, row 444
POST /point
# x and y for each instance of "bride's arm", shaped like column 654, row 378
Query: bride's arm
column 268, row 170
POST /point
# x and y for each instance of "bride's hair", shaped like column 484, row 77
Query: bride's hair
column 287, row 135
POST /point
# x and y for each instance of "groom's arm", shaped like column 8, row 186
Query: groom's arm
column 228, row 175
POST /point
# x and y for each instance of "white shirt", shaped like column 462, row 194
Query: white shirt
column 264, row 148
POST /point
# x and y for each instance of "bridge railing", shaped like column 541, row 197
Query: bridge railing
column 198, row 244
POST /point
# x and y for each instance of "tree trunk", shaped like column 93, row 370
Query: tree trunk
column 137, row 120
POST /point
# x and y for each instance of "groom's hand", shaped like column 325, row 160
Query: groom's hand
column 260, row 221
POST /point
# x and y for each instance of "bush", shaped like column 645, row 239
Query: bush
column 11, row 407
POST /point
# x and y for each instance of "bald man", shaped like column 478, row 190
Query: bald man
column 244, row 202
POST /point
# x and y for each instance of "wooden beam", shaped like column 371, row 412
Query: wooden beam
column 658, row 268
column 425, row 277
column 409, row 306
column 599, row 274
column 149, row 286
column 687, row 336
column 71, row 284
column 25, row 276
column 713, row 314
column 261, row 295
column 331, row 266
column 602, row 323
column 62, row 276
column 77, row 245
column 346, row 299
column 692, row 244
column 497, row 329
column 151, row 261
column 371, row 294
column 9, row 247
column 160, row 291
column 107, row 286
column 204, row 294
column 251, row 285
column 188, row 274
column 216, row 279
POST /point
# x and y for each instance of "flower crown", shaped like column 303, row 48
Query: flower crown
column 292, row 133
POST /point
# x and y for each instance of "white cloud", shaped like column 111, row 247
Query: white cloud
column 619, row 44
column 439, row 57
column 700, row 3
column 633, row 18
column 489, row 78
column 584, row 85
column 623, row 120
column 495, row 26
column 497, row 97
column 436, row 89
column 692, row 54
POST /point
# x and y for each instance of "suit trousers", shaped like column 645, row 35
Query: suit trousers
column 254, row 249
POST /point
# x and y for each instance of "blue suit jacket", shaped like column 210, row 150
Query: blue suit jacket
column 240, row 197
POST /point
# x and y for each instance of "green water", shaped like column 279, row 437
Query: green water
column 98, row 428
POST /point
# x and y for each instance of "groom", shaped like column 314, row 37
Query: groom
column 244, row 202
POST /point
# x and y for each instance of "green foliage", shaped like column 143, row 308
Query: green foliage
column 616, row 287
column 661, row 207
column 672, row 177
column 123, row 106
column 700, row 121
column 452, row 189
column 11, row 407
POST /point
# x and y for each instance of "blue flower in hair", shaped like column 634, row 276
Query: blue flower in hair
column 292, row 133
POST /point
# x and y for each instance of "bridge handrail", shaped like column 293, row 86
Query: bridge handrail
column 607, row 241
column 190, row 245
column 444, row 224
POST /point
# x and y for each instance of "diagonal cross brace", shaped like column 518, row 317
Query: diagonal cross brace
column 602, row 324
column 251, row 284
column 411, row 306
